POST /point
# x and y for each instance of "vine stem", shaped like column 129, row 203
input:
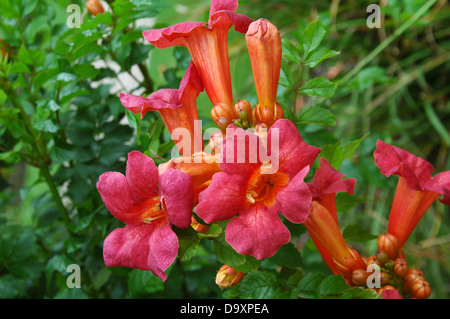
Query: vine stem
column 42, row 157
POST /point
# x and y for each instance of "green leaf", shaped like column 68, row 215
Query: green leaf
column 313, row 36
column 259, row 285
column 357, row 233
column 317, row 115
column 133, row 119
column 142, row 282
column 338, row 152
column 319, row 87
column 308, row 286
column 188, row 242
column 316, row 57
column 226, row 254
column 286, row 75
column 290, row 52
column 332, row 285
column 288, row 256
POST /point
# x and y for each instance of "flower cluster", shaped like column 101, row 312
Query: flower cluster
column 253, row 174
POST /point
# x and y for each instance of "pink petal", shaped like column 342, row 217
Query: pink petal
column 392, row 160
column 142, row 176
column 328, row 180
column 163, row 250
column 178, row 196
column 116, row 194
column 294, row 200
column 141, row 246
column 391, row 294
column 223, row 199
column 166, row 37
column 293, row 153
column 159, row 100
column 240, row 152
column 224, row 10
column 257, row 232
column 440, row 183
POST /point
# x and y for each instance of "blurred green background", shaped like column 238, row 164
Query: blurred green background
column 391, row 86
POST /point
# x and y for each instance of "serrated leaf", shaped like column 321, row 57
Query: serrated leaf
column 332, row 285
column 290, row 52
column 316, row 57
column 259, row 285
column 319, row 87
column 309, row 284
column 188, row 242
column 357, row 233
column 317, row 115
column 338, row 152
column 286, row 75
column 226, row 254
column 313, row 36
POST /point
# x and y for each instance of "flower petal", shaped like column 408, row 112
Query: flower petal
column 223, row 198
column 161, row 99
column 293, row 201
column 141, row 246
column 142, row 176
column 440, row 183
column 328, row 180
column 241, row 152
column 163, row 250
column 391, row 294
column 167, row 37
column 257, row 232
column 116, row 194
column 392, row 160
column 286, row 144
column 178, row 195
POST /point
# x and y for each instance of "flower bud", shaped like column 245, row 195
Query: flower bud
column 227, row 277
column 400, row 267
column 265, row 51
column 382, row 257
column 384, row 278
column 244, row 110
column 200, row 228
column 373, row 260
column 420, row 289
column 412, row 276
column 94, row 7
column 389, row 244
column 262, row 114
column 223, row 115
column 359, row 277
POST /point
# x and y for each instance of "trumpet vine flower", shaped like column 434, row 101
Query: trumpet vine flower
column 322, row 222
column 149, row 204
column 265, row 51
column 207, row 45
column 248, row 189
column 416, row 188
column 177, row 108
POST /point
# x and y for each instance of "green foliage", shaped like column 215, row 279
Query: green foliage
column 62, row 125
